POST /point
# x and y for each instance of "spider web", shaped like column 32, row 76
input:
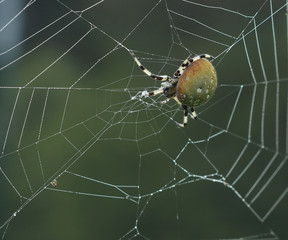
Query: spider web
column 72, row 115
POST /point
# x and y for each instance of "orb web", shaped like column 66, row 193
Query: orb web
column 81, row 145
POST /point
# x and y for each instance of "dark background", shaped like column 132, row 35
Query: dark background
column 76, row 70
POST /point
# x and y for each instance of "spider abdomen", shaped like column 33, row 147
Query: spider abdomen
column 197, row 83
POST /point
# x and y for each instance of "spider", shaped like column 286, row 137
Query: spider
column 192, row 85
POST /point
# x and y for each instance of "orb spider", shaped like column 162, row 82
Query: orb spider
column 192, row 85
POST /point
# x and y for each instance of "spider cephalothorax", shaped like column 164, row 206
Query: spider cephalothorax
column 192, row 84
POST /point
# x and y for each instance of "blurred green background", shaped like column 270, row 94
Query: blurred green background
column 66, row 109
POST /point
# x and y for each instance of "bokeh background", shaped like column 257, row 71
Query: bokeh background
column 67, row 113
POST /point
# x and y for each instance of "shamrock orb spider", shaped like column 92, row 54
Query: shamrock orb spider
column 192, row 85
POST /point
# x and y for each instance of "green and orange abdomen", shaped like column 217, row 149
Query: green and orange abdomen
column 197, row 84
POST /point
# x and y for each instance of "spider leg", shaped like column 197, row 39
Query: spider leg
column 193, row 114
column 155, row 92
column 147, row 72
column 176, row 99
column 168, row 89
column 189, row 60
column 185, row 119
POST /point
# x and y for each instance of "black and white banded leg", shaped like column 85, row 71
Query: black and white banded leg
column 193, row 114
column 189, row 60
column 147, row 72
column 185, row 119
column 153, row 93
